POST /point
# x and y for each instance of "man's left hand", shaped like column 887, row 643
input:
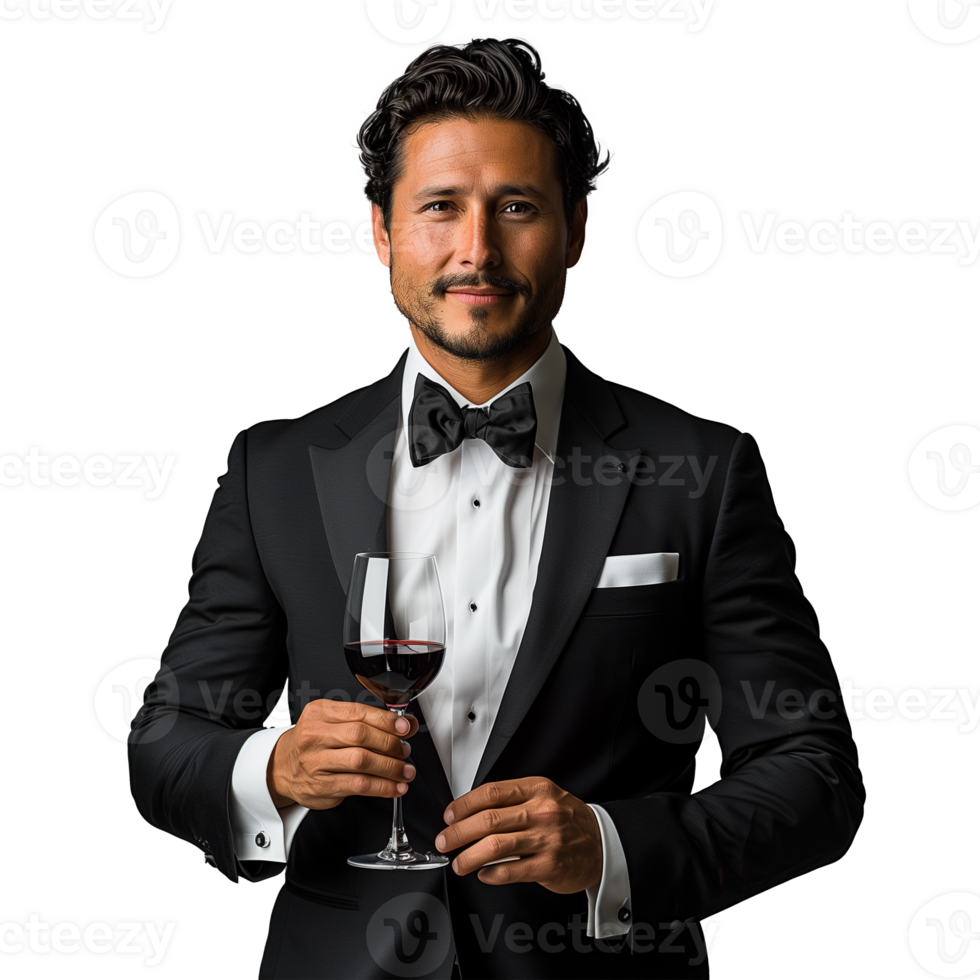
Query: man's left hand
column 555, row 833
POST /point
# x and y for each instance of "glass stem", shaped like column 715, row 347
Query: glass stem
column 398, row 844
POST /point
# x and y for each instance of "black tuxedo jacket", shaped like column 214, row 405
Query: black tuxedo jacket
column 634, row 475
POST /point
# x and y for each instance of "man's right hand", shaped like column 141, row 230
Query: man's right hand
column 339, row 749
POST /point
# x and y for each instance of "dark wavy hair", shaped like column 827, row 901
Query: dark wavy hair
column 487, row 76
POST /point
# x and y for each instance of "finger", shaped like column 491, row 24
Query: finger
column 497, row 848
column 360, row 784
column 338, row 712
column 317, row 736
column 496, row 820
column 353, row 759
column 505, row 792
column 532, row 868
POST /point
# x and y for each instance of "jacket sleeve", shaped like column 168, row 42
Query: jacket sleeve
column 220, row 676
column 791, row 796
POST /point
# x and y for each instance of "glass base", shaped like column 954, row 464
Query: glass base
column 387, row 860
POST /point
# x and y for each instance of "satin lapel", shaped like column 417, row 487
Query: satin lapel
column 583, row 513
column 352, row 480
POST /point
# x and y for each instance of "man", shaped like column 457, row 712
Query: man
column 614, row 571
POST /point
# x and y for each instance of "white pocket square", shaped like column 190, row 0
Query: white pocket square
column 624, row 570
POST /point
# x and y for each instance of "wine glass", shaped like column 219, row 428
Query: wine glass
column 395, row 641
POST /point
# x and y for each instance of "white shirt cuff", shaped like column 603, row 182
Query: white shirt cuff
column 613, row 891
column 251, row 808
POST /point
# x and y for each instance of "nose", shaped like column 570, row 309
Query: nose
column 477, row 247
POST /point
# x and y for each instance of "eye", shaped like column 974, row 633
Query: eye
column 436, row 204
column 518, row 204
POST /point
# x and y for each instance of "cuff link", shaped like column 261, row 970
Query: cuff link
column 624, row 914
column 261, row 839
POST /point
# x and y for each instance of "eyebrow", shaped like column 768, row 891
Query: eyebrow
column 501, row 190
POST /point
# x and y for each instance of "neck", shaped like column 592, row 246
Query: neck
column 479, row 381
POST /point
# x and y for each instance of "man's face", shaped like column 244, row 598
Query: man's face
column 478, row 243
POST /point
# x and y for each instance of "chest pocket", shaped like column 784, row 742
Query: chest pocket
column 635, row 600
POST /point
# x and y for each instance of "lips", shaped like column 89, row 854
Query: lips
column 480, row 297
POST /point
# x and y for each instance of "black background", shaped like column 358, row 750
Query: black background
column 839, row 364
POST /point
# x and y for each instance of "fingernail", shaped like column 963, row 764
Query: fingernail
column 403, row 787
column 449, row 817
column 409, row 772
column 441, row 844
column 455, row 868
column 402, row 726
column 406, row 749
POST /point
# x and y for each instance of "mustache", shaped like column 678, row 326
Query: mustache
column 491, row 279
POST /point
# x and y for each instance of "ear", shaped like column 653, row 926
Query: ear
column 381, row 243
column 576, row 235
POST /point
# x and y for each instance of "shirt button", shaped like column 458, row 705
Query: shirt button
column 476, row 503
column 472, row 607
column 472, row 716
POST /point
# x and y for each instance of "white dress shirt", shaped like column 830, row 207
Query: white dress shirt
column 465, row 504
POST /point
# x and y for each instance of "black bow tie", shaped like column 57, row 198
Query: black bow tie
column 438, row 425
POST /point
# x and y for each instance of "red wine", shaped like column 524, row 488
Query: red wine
column 395, row 670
